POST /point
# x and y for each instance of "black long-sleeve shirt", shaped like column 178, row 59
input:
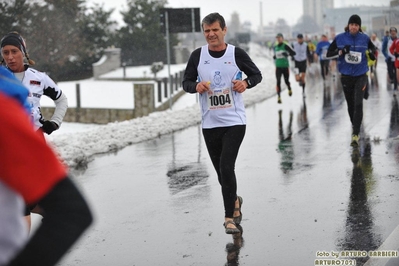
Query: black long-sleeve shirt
column 244, row 63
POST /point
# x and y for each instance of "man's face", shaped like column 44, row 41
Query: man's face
column 214, row 36
column 300, row 40
column 373, row 37
column 279, row 39
column 393, row 33
column 354, row 28
column 13, row 57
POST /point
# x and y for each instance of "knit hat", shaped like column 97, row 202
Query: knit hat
column 15, row 39
column 300, row 36
column 279, row 35
column 355, row 19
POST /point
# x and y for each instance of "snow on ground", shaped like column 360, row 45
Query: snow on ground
column 95, row 94
column 78, row 143
column 143, row 72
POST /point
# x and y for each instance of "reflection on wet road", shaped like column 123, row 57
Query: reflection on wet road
column 305, row 188
column 285, row 145
column 360, row 231
column 182, row 174
column 233, row 248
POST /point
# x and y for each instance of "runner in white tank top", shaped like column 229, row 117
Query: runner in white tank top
column 214, row 71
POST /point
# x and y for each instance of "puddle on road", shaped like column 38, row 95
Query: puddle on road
column 186, row 175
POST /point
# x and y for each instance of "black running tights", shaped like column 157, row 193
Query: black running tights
column 285, row 72
column 354, row 88
column 223, row 144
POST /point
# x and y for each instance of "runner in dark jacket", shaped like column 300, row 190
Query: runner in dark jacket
column 350, row 47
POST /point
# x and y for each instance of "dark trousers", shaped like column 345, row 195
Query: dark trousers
column 282, row 71
column 354, row 89
column 324, row 65
column 223, row 144
column 392, row 73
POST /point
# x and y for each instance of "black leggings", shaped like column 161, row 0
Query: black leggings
column 324, row 64
column 282, row 71
column 223, row 144
column 354, row 88
column 392, row 73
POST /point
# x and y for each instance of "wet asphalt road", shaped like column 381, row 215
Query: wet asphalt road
column 305, row 189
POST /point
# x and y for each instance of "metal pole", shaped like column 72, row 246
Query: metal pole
column 261, row 21
column 168, row 57
column 193, row 26
column 78, row 104
column 193, row 29
column 124, row 69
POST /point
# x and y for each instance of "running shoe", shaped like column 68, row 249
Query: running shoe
column 278, row 99
column 289, row 92
column 355, row 140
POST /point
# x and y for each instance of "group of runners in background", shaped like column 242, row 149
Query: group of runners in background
column 309, row 49
column 352, row 53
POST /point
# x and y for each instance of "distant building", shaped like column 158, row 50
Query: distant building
column 374, row 18
column 268, row 32
column 234, row 25
column 316, row 9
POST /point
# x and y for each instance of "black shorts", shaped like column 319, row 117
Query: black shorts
column 301, row 65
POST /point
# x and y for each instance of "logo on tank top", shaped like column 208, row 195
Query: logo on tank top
column 217, row 80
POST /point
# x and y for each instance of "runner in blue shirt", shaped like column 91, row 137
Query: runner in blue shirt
column 321, row 51
column 350, row 47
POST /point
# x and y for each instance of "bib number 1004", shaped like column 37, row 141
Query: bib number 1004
column 217, row 100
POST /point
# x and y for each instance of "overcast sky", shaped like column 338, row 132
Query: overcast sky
column 248, row 10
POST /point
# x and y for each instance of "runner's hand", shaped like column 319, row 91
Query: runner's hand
column 346, row 49
column 49, row 126
column 203, row 86
column 239, row 85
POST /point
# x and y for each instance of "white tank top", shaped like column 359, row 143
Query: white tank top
column 220, row 106
column 300, row 50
